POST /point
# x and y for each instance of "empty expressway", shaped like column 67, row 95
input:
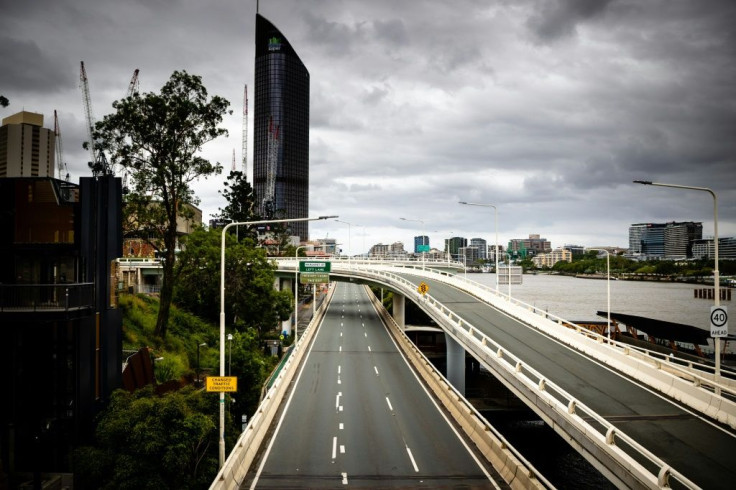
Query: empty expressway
column 358, row 416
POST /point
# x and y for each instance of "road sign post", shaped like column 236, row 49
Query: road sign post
column 718, row 321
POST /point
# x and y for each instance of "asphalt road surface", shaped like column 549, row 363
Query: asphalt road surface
column 357, row 416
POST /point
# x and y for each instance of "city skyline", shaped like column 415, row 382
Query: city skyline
column 548, row 110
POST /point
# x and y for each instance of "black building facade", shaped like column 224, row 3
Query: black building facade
column 61, row 330
column 281, row 128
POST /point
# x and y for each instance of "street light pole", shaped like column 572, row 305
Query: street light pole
column 495, row 216
column 608, row 288
column 350, row 247
column 296, row 293
column 198, row 346
column 508, row 269
column 716, row 274
column 222, row 314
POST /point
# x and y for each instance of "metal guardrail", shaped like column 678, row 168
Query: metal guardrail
column 18, row 298
column 642, row 463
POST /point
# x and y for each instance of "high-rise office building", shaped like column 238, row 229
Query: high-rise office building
column 672, row 240
column 421, row 244
column 280, row 129
column 26, row 147
column 482, row 247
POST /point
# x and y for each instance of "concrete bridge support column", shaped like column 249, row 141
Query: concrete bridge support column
column 399, row 302
column 455, row 364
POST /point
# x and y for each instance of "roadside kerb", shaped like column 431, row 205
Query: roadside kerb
column 236, row 466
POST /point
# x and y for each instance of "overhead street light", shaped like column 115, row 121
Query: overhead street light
column 350, row 247
column 608, row 287
column 716, row 274
column 495, row 215
column 222, row 312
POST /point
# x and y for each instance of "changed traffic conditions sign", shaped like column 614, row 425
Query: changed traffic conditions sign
column 718, row 321
column 226, row 384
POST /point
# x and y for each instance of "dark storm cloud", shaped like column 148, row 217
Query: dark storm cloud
column 25, row 67
column 558, row 19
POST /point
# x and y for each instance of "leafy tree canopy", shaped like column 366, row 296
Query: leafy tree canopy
column 155, row 139
column 250, row 299
column 150, row 441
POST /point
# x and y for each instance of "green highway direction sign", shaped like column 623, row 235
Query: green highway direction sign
column 314, row 271
column 322, row 266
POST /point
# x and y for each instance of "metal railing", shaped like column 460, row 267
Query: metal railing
column 45, row 297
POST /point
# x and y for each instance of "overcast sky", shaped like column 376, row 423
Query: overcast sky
column 546, row 108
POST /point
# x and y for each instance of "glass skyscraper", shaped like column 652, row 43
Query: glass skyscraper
column 281, row 129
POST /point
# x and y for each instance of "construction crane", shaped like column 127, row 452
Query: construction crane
column 245, row 132
column 88, row 118
column 98, row 164
column 269, row 201
column 133, row 86
column 60, row 163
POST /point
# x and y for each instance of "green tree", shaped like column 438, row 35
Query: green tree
column 240, row 199
column 148, row 441
column 156, row 138
column 252, row 367
column 250, row 299
column 4, row 102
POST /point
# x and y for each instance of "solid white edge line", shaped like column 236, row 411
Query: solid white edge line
column 411, row 457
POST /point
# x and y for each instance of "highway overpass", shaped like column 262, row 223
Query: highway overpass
column 643, row 421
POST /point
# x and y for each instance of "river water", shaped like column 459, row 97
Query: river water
column 577, row 299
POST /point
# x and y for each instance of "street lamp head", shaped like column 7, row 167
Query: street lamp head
column 203, row 344
column 326, row 217
column 643, row 182
column 462, row 202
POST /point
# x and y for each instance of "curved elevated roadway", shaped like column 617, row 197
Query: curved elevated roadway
column 697, row 450
column 357, row 416
column 703, row 451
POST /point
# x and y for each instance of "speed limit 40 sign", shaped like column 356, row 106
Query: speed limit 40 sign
column 718, row 321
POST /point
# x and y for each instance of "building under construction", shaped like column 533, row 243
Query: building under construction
column 280, row 129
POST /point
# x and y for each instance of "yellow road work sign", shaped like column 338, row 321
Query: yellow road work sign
column 227, row 384
column 423, row 288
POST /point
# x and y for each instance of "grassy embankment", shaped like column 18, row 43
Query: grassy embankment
column 179, row 348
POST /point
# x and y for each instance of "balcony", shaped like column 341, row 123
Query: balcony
column 68, row 300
